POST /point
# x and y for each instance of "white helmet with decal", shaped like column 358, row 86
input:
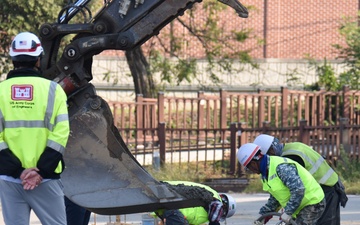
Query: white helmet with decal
column 230, row 205
column 25, row 44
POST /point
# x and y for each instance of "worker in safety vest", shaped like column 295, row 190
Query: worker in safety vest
column 34, row 130
column 328, row 179
column 223, row 206
column 290, row 185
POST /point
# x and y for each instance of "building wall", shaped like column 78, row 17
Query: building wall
column 271, row 75
column 300, row 27
column 291, row 29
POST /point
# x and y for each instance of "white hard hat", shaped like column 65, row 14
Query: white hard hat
column 25, row 44
column 264, row 141
column 230, row 204
column 247, row 152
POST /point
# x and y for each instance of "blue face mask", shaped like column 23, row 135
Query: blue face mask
column 263, row 166
column 277, row 147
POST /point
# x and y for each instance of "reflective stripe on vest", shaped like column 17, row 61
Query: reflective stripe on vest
column 315, row 165
column 313, row 192
column 37, row 123
column 45, row 123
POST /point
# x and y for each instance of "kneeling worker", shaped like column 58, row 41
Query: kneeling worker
column 223, row 206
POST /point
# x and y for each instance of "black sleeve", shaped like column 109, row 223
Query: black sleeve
column 214, row 223
column 297, row 159
column 48, row 162
column 10, row 164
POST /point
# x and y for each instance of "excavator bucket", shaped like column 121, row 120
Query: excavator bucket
column 101, row 173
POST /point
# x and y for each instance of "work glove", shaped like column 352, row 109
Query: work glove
column 257, row 222
column 286, row 218
column 216, row 211
column 263, row 221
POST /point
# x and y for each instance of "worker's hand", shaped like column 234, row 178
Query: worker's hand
column 30, row 178
column 215, row 211
column 286, row 218
column 266, row 219
column 26, row 171
column 257, row 222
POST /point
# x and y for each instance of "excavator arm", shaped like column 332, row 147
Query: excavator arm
column 101, row 173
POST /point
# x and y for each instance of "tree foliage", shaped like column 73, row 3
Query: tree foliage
column 23, row 15
column 209, row 32
column 349, row 52
column 170, row 63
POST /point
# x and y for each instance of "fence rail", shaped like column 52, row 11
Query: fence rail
column 202, row 130
column 281, row 109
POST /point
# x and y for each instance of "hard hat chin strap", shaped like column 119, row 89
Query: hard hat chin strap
column 257, row 157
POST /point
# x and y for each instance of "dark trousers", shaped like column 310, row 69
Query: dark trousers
column 331, row 215
column 75, row 214
column 174, row 217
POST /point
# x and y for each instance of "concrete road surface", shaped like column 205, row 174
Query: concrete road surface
column 248, row 206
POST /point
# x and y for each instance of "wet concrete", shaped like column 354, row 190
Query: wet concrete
column 248, row 206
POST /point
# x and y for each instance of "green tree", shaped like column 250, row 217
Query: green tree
column 213, row 39
column 327, row 77
column 349, row 52
column 21, row 15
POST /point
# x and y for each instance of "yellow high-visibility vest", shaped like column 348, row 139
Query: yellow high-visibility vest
column 33, row 115
column 313, row 192
column 313, row 161
column 194, row 215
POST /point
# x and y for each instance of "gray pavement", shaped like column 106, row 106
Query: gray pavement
column 247, row 211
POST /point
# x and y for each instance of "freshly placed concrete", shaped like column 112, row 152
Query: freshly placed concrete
column 248, row 206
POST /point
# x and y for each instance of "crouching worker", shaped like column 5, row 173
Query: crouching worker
column 223, row 206
column 313, row 162
column 290, row 185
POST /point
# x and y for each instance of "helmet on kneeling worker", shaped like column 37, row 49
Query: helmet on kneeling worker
column 229, row 205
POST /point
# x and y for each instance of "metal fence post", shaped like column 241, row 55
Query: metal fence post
column 304, row 135
column 346, row 102
column 242, row 137
column 261, row 106
column 284, row 106
column 344, row 135
column 265, row 126
column 162, row 142
column 223, row 114
column 233, row 133
column 139, row 116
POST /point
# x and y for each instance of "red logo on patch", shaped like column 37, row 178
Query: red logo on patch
column 22, row 92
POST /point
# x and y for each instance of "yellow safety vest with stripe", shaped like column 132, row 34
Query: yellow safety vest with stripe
column 195, row 215
column 33, row 115
column 313, row 192
column 314, row 162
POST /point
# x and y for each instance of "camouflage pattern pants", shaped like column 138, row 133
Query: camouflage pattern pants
column 331, row 215
column 310, row 214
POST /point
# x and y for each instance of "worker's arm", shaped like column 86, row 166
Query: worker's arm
column 9, row 164
column 288, row 174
